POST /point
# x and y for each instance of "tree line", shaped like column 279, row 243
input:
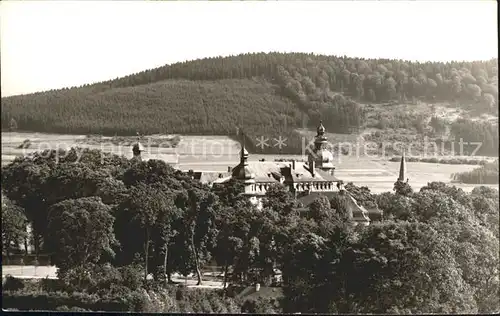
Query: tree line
column 486, row 174
column 265, row 92
column 109, row 222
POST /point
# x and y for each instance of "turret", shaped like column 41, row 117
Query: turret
column 321, row 156
column 242, row 170
column 244, row 174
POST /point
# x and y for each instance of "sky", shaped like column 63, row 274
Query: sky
column 54, row 44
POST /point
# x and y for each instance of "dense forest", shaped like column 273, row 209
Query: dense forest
column 264, row 93
column 109, row 222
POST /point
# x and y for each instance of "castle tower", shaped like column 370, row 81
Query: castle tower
column 242, row 171
column 321, row 157
column 402, row 168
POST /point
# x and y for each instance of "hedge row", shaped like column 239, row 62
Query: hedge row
column 486, row 174
column 452, row 161
column 22, row 259
column 51, row 301
column 135, row 301
column 51, row 295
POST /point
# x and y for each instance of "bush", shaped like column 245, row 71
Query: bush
column 452, row 161
column 25, row 144
column 131, row 276
column 65, row 308
column 12, row 284
column 52, row 285
column 104, row 278
column 52, row 295
column 262, row 306
column 430, row 160
column 180, row 294
column 62, row 308
column 101, row 279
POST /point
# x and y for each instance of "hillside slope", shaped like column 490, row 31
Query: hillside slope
column 265, row 94
column 170, row 106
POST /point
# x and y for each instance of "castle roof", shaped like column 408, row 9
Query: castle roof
column 242, row 171
column 357, row 212
column 303, row 173
column 213, row 177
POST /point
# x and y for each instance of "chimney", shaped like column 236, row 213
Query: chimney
column 312, row 167
column 293, row 164
column 229, row 169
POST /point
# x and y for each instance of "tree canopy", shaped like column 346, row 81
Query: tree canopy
column 116, row 222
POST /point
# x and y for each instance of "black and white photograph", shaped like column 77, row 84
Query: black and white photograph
column 250, row 157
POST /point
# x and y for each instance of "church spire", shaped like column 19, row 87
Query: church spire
column 402, row 168
column 243, row 152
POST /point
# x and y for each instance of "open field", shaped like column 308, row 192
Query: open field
column 216, row 153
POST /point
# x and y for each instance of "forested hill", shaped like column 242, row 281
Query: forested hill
column 265, row 93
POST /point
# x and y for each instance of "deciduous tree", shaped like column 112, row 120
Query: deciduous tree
column 80, row 232
column 13, row 226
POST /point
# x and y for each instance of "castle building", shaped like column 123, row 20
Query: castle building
column 306, row 180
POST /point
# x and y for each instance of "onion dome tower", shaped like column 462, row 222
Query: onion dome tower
column 320, row 156
column 242, row 171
